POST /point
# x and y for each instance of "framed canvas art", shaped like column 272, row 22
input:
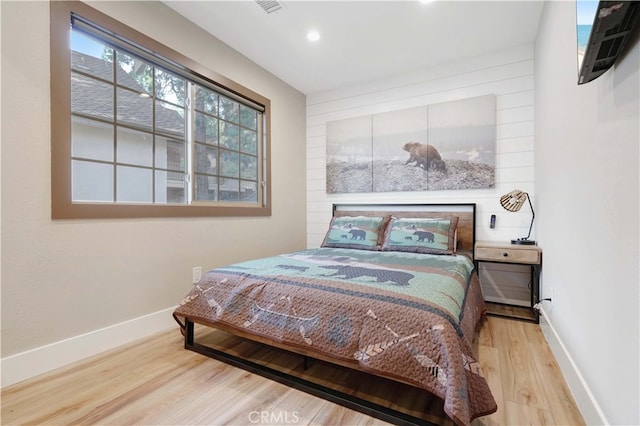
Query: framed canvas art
column 450, row 145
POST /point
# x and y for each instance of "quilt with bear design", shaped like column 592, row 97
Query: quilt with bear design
column 405, row 316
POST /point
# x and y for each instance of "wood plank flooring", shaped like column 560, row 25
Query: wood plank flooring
column 156, row 382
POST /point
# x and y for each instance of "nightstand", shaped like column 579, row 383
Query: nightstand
column 506, row 253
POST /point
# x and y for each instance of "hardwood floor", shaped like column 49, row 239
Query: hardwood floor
column 155, row 381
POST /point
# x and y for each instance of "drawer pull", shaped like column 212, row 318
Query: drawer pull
column 505, row 254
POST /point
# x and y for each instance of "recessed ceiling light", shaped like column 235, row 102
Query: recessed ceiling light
column 313, row 35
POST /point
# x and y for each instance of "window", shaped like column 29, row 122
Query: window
column 140, row 131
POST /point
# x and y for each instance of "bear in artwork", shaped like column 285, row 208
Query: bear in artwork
column 424, row 155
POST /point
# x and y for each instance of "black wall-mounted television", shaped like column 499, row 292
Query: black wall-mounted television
column 601, row 41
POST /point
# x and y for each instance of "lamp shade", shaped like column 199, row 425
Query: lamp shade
column 514, row 200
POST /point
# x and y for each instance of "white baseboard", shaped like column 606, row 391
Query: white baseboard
column 25, row 365
column 583, row 396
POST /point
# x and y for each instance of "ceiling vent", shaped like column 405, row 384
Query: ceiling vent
column 269, row 6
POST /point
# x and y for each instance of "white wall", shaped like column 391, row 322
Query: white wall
column 586, row 143
column 507, row 74
column 587, row 188
column 62, row 279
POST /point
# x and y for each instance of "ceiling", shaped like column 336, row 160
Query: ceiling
column 362, row 40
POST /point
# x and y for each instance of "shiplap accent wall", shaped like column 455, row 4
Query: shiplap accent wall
column 507, row 74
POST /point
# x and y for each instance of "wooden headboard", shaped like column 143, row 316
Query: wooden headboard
column 465, row 211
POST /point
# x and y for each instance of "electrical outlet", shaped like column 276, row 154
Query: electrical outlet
column 550, row 296
column 197, row 274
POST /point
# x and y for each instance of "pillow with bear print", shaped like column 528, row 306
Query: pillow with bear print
column 421, row 235
column 355, row 232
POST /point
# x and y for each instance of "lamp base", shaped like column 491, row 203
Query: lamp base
column 524, row 242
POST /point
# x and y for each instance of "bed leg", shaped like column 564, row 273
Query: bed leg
column 305, row 362
column 188, row 334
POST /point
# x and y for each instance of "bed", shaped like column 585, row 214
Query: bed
column 392, row 291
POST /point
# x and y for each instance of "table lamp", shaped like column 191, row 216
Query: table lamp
column 513, row 201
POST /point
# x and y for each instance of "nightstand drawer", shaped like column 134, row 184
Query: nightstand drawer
column 508, row 255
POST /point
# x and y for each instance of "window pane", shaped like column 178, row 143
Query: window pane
column 206, row 129
column 169, row 119
column 248, row 167
column 248, row 191
column 229, row 164
column 145, row 128
column 170, row 154
column 249, row 142
column 229, row 190
column 206, row 100
column 206, row 188
column 91, row 139
column 171, row 187
column 134, row 73
column 134, row 184
column 229, row 135
column 206, row 159
column 91, row 181
column 228, row 109
column 169, row 87
column 91, row 56
column 135, row 147
column 134, row 109
column 248, row 117
column 91, row 97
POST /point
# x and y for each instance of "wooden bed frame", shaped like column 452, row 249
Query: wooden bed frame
column 465, row 243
